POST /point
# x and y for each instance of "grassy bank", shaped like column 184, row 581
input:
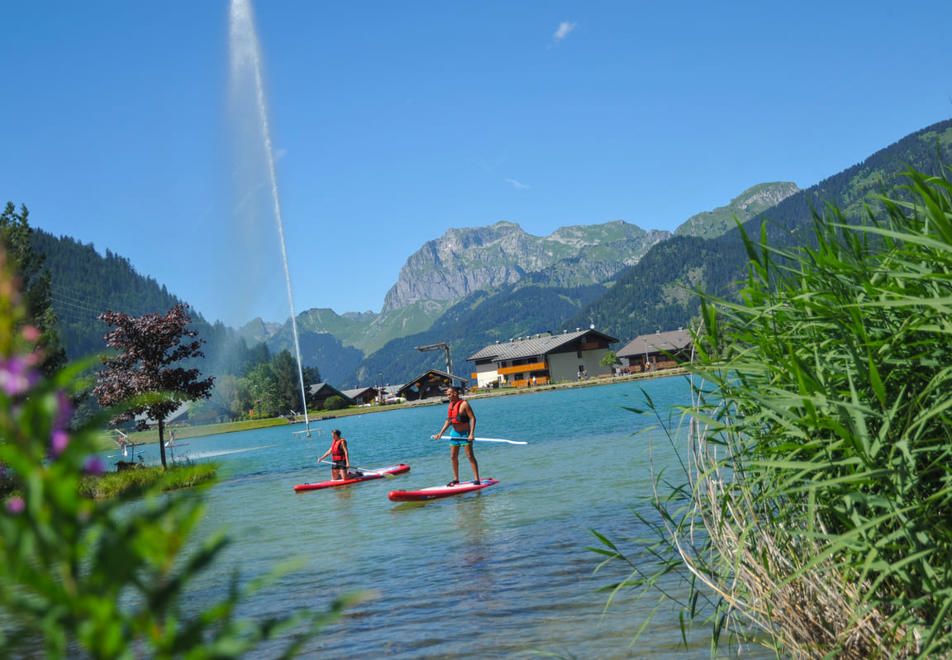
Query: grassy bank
column 141, row 479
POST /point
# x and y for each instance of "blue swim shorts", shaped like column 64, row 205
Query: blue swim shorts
column 458, row 438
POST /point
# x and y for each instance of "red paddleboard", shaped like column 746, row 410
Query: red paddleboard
column 435, row 492
column 368, row 475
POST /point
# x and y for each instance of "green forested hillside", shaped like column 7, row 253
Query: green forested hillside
column 319, row 349
column 659, row 291
column 751, row 202
column 85, row 284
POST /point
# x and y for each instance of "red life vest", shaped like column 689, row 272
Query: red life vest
column 456, row 416
column 337, row 450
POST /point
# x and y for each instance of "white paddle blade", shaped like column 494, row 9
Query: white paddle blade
column 511, row 442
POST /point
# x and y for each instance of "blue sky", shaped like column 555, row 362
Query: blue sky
column 393, row 122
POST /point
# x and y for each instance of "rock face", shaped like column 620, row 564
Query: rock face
column 465, row 260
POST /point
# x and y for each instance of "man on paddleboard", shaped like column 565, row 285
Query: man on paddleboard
column 340, row 456
column 462, row 419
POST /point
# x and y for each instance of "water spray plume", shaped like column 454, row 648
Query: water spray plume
column 246, row 57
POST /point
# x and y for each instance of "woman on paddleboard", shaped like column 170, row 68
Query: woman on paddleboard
column 339, row 454
column 463, row 421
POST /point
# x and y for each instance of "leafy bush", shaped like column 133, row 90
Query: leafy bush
column 335, row 403
column 818, row 509
column 98, row 578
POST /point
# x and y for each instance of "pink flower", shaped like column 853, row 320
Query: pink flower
column 58, row 442
column 31, row 333
column 16, row 377
column 95, row 466
column 15, row 505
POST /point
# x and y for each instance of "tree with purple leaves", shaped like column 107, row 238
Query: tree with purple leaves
column 141, row 376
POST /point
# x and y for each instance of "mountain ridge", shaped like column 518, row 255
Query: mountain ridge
column 466, row 259
column 626, row 279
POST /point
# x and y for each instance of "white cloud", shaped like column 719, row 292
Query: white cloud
column 517, row 185
column 563, row 30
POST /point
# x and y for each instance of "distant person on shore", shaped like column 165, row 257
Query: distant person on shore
column 339, row 455
column 462, row 419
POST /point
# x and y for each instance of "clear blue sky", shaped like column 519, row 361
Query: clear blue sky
column 394, row 121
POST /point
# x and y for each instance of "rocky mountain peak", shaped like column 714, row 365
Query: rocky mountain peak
column 467, row 259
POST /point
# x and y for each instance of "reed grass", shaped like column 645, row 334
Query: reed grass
column 815, row 518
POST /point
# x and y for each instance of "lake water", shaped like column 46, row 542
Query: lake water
column 496, row 574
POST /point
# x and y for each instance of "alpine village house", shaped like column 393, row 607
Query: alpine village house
column 542, row 358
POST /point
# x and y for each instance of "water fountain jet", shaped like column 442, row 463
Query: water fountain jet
column 246, row 60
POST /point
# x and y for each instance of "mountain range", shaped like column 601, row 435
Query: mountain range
column 474, row 285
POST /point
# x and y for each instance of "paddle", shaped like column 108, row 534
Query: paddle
column 365, row 470
column 511, row 442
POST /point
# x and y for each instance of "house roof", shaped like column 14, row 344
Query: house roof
column 325, row 390
column 430, row 381
column 658, row 342
column 534, row 345
column 354, row 393
column 435, row 372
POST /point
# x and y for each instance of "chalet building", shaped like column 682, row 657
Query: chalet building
column 660, row 350
column 319, row 393
column 430, row 384
column 364, row 395
column 543, row 358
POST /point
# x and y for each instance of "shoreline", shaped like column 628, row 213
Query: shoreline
column 188, row 431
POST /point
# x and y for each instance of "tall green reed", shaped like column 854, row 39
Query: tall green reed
column 816, row 517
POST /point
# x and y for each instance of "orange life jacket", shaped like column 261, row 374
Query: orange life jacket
column 456, row 416
column 337, row 450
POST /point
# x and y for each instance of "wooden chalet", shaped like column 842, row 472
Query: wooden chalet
column 542, row 358
column 660, row 350
column 430, row 384
column 364, row 395
column 319, row 393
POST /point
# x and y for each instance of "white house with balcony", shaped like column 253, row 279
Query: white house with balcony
column 542, row 358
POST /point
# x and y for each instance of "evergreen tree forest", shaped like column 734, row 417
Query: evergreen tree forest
column 69, row 285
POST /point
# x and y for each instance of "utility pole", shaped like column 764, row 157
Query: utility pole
column 446, row 349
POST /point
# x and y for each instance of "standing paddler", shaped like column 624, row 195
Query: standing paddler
column 462, row 419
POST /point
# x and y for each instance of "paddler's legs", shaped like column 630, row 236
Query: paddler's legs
column 472, row 462
column 454, row 457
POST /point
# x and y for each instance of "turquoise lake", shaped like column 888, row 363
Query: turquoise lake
column 502, row 573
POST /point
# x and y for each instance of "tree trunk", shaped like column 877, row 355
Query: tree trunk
column 162, row 441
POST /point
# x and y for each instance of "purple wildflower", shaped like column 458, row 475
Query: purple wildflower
column 58, row 442
column 94, row 465
column 65, row 412
column 15, row 505
column 16, row 377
